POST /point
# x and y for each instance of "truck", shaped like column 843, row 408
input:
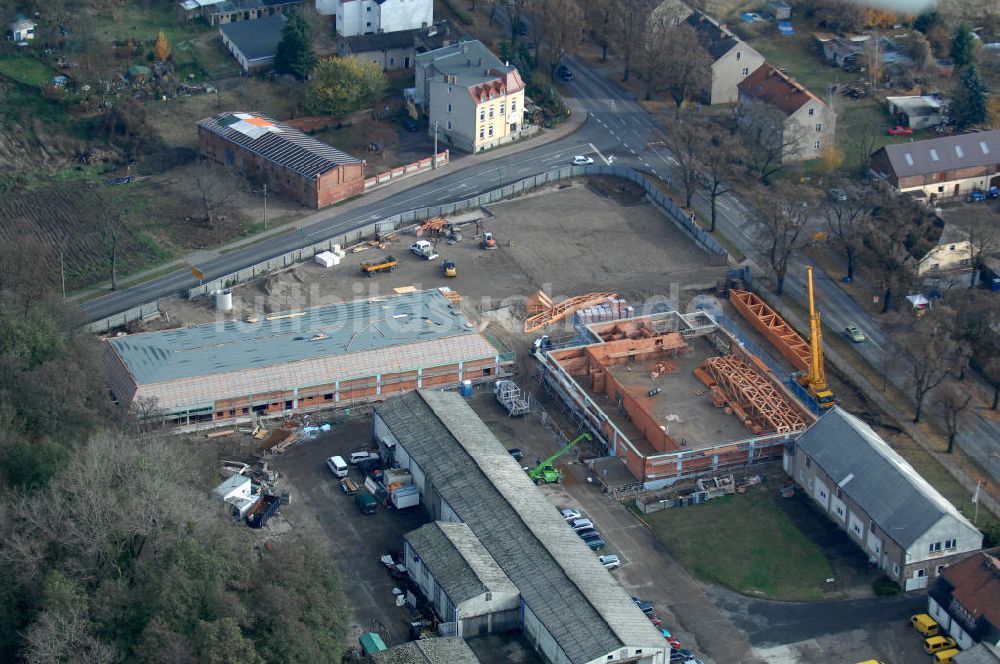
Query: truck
column 424, row 249
column 384, row 264
column 366, row 502
column 545, row 472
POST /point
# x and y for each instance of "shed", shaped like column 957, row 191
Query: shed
column 917, row 111
column 372, row 643
column 781, row 9
column 253, row 43
column 21, row 30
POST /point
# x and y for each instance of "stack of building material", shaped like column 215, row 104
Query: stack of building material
column 330, row 258
column 612, row 309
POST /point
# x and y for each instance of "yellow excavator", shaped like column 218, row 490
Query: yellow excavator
column 815, row 379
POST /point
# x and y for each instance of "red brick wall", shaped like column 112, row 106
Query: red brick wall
column 342, row 182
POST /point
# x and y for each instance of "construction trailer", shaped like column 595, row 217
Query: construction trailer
column 319, row 358
column 637, row 388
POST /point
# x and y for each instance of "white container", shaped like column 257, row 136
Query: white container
column 224, row 300
column 326, row 259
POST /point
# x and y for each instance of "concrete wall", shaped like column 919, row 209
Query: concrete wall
column 730, row 70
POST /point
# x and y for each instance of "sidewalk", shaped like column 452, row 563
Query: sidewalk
column 577, row 117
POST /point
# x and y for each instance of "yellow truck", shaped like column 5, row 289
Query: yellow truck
column 384, row 264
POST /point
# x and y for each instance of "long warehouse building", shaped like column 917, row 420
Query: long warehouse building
column 571, row 609
column 320, row 357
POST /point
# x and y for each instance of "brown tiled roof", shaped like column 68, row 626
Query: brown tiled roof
column 771, row 86
column 976, row 582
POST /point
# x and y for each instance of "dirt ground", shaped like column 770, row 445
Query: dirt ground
column 566, row 241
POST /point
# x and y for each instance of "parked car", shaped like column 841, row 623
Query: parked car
column 838, row 194
column 348, row 486
column 900, row 130
column 570, row 513
column 854, row 332
column 655, row 619
column 938, row 643
column 409, row 124
column 362, row 456
column 516, row 453
column 580, row 524
column 593, row 534
column 596, row 544
column 567, row 75
column 645, row 607
column 424, row 249
column 976, row 196
column 674, row 643
column 582, row 160
column 683, row 656
column 926, row 625
column 337, row 466
column 610, row 561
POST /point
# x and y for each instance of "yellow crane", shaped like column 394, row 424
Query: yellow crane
column 815, row 380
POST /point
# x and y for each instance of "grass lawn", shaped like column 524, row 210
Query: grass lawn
column 747, row 543
column 26, row 70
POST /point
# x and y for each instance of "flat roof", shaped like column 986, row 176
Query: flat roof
column 278, row 339
column 560, row 579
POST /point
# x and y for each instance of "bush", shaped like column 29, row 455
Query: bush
column 886, row 587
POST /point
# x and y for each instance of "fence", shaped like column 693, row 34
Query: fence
column 124, row 318
column 406, row 171
column 676, row 214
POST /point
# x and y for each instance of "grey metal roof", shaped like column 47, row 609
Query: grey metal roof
column 458, row 561
column 448, row 650
column 878, row 479
column 980, row 148
column 339, row 329
column 981, row 653
column 716, row 40
column 559, row 578
column 283, row 145
column 381, row 41
column 258, row 39
column 461, row 60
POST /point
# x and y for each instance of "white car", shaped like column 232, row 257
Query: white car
column 610, row 561
column 581, row 160
column 570, row 513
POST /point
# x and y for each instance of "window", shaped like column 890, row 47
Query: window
column 368, row 24
column 857, row 529
column 738, row 55
column 934, row 547
column 491, row 130
column 940, row 568
column 746, row 71
column 449, row 89
column 501, row 108
column 816, row 145
column 920, row 573
column 392, row 62
column 449, row 108
column 895, row 569
column 328, row 396
column 491, row 112
column 812, row 111
column 482, row 134
column 513, row 105
column 941, row 189
column 809, row 462
column 819, row 127
column 246, row 411
column 368, row 9
column 482, row 114
column 840, row 511
column 449, row 124
column 950, row 544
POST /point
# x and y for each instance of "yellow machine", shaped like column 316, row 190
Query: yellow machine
column 815, row 380
column 449, row 268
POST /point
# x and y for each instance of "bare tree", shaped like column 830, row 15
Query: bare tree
column 112, row 229
column 784, row 213
column 885, row 246
column 685, row 142
column 991, row 372
column 653, row 59
column 954, row 401
column 865, row 141
column 932, row 354
column 216, row 187
column 631, row 24
column 984, row 239
column 599, row 20
column 66, row 635
column 559, row 24
column 765, row 137
column 689, row 65
column 846, row 221
column 718, row 159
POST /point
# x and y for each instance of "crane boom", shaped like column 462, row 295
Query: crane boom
column 545, row 471
column 817, row 372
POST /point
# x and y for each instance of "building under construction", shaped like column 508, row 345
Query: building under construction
column 318, row 358
column 674, row 396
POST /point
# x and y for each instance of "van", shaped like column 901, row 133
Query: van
column 366, row 502
column 924, row 624
column 945, row 656
column 337, row 466
column 938, row 643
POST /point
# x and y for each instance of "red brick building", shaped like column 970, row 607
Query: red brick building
column 288, row 161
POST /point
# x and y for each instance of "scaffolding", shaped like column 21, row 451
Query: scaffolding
column 511, row 397
column 758, row 403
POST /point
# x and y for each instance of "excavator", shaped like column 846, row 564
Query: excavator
column 815, row 379
column 545, row 472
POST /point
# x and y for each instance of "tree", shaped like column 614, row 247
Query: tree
column 340, row 86
column 926, row 20
column 629, row 32
column 984, row 240
column 784, row 214
column 685, row 142
column 718, row 158
column 216, row 187
column 560, row 25
column 954, row 401
column 599, row 22
column 865, row 140
column 838, row 16
column 112, row 227
column 846, row 222
column 885, row 245
column 932, row 354
column 765, row 138
column 653, row 60
column 976, row 315
column 963, row 46
column 920, row 52
column 295, row 54
column 162, row 48
column 689, row 65
column 969, row 103
column 991, row 372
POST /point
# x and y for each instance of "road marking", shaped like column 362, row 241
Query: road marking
column 612, row 132
column 631, row 150
column 553, row 157
column 594, row 148
column 626, row 145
